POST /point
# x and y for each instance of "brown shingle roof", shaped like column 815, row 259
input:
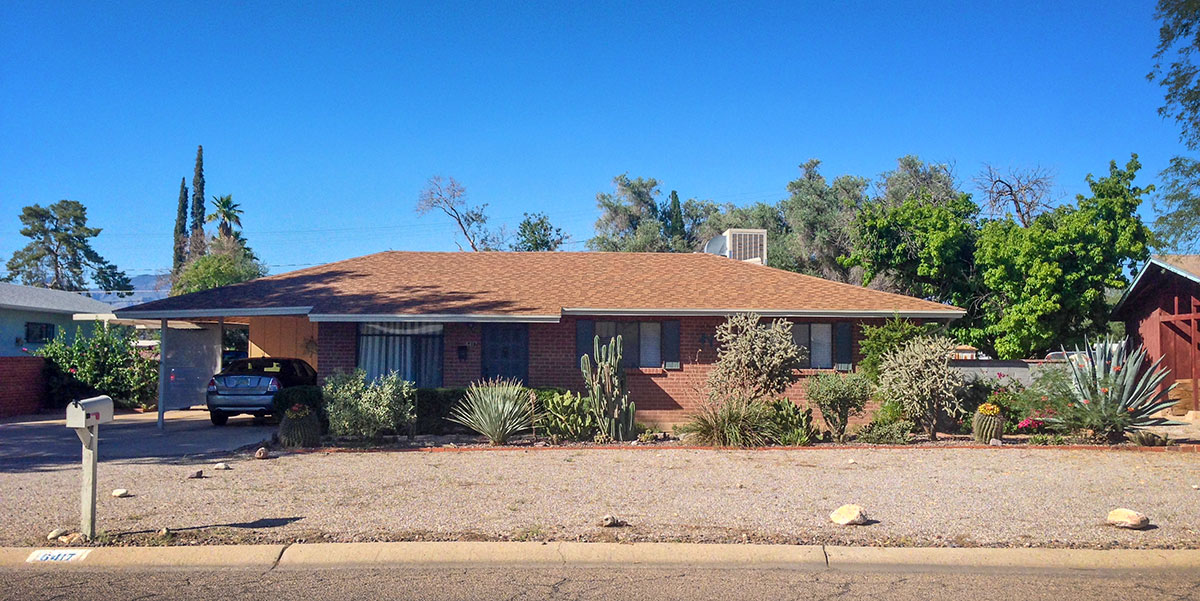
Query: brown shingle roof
column 1188, row 263
column 539, row 284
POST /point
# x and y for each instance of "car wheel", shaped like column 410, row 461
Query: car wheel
column 219, row 418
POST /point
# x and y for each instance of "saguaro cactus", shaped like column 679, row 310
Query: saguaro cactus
column 606, row 390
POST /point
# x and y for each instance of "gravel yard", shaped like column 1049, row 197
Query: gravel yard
column 966, row 497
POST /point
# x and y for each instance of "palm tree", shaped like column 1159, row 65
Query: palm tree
column 227, row 215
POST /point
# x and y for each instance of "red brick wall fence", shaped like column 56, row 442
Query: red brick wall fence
column 22, row 385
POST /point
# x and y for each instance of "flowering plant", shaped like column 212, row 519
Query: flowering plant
column 989, row 409
column 298, row 411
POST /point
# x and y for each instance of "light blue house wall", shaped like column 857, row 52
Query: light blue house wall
column 12, row 329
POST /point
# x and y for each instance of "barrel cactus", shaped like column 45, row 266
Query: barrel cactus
column 987, row 423
column 300, row 427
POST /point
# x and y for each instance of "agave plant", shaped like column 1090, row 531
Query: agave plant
column 1112, row 392
column 497, row 409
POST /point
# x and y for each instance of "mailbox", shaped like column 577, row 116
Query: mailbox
column 89, row 412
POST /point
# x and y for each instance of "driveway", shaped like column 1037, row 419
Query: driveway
column 41, row 443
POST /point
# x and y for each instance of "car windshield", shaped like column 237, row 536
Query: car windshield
column 255, row 366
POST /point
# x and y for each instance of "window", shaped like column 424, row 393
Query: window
column 829, row 345
column 413, row 350
column 643, row 343
column 37, row 333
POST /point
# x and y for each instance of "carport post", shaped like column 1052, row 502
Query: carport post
column 162, row 376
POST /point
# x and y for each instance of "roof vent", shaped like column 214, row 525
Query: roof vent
column 741, row 245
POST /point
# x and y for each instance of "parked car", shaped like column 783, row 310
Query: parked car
column 249, row 386
column 228, row 357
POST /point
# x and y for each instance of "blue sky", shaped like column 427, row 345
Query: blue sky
column 325, row 121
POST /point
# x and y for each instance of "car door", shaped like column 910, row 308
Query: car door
column 505, row 351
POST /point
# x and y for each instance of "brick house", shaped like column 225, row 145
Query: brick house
column 449, row 319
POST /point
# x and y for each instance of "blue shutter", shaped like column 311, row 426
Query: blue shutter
column 843, row 355
column 670, row 344
column 585, row 335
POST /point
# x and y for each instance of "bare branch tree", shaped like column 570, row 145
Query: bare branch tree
column 450, row 197
column 1026, row 192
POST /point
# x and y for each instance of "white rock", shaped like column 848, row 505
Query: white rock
column 222, row 466
column 57, row 532
column 73, row 538
column 610, row 521
column 852, row 461
column 849, row 515
column 120, row 493
column 1128, row 518
column 996, row 442
column 1196, row 487
column 262, row 453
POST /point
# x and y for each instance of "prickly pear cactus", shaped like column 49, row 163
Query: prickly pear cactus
column 605, row 382
column 987, row 424
column 300, row 427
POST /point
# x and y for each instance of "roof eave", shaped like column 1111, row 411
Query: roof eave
column 949, row 313
column 135, row 313
column 1145, row 269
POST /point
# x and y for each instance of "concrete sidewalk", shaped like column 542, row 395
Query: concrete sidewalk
column 571, row 554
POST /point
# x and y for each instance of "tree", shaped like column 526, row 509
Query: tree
column 196, row 239
column 821, row 216
column 673, row 217
column 227, row 214
column 1178, row 224
column 919, row 377
column 60, row 252
column 912, row 177
column 1046, row 283
column 629, row 218
column 536, row 233
column 228, row 262
column 181, row 233
column 1026, row 192
column 450, row 197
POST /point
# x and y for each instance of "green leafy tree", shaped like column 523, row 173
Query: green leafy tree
column 227, row 214
column 1046, row 284
column 181, row 231
column 196, row 239
column 1178, row 224
column 914, row 177
column 629, row 219
column 880, row 340
column 821, row 216
column 536, row 233
column 673, row 217
column 228, row 262
column 60, row 254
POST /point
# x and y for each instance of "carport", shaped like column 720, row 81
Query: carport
column 190, row 348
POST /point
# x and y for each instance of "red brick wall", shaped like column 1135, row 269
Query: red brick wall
column 22, row 386
column 663, row 397
column 456, row 372
column 337, row 348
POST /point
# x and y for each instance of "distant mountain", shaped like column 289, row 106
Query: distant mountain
column 145, row 289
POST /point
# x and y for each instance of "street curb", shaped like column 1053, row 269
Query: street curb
column 1012, row 559
column 576, row 554
column 550, row 554
column 213, row 556
column 1176, row 448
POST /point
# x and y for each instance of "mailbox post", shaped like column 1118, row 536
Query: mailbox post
column 85, row 416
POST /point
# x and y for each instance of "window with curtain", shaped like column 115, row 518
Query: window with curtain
column 643, row 343
column 413, row 350
column 828, row 344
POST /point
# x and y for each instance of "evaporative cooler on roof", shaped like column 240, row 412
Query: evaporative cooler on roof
column 740, row 245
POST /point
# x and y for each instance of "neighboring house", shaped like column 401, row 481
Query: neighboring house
column 1161, row 310
column 448, row 319
column 29, row 318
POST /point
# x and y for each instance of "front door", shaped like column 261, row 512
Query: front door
column 505, row 351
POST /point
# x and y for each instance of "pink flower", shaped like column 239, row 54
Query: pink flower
column 1085, row 401
column 72, row 370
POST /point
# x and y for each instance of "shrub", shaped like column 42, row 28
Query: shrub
column 300, row 427
column 105, row 362
column 566, row 416
column 839, row 397
column 1146, row 438
column 365, row 409
column 889, row 412
column 1113, row 392
column 497, row 409
column 738, row 421
column 433, row 407
column 754, row 360
column 792, row 426
column 878, row 341
column 891, row 433
column 1047, row 439
column 918, row 375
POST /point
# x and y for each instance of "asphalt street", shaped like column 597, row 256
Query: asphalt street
column 631, row 584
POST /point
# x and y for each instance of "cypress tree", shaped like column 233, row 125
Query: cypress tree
column 674, row 223
column 181, row 233
column 196, row 243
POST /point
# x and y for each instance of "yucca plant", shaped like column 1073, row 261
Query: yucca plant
column 1112, row 392
column 739, row 421
column 497, row 409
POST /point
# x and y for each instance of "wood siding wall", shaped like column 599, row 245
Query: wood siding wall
column 284, row 337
